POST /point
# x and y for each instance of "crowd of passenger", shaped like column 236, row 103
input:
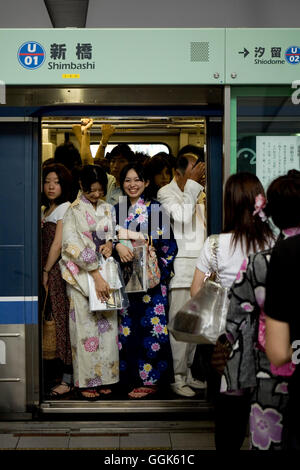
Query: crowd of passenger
column 105, row 206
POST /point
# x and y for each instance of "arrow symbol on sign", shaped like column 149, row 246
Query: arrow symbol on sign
column 245, row 52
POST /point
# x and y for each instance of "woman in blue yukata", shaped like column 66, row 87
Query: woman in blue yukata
column 145, row 353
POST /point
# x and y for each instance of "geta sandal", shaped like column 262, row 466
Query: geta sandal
column 142, row 393
column 55, row 394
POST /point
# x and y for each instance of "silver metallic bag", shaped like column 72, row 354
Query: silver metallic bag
column 203, row 318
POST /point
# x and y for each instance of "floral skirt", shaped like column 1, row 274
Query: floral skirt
column 145, row 351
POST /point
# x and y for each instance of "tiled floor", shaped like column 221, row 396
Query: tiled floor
column 174, row 436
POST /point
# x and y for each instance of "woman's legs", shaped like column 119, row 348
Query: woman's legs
column 231, row 421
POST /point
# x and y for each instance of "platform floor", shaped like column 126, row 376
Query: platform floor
column 109, row 435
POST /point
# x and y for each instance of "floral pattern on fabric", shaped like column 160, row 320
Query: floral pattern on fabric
column 265, row 426
column 248, row 365
column 93, row 335
column 145, row 352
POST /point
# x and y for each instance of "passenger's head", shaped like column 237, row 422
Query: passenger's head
column 119, row 157
column 141, row 157
column 68, row 155
column 57, row 182
column 283, row 196
column 49, row 161
column 159, row 173
column 241, row 190
column 194, row 150
column 167, row 156
column 134, row 182
column 93, row 182
column 183, row 168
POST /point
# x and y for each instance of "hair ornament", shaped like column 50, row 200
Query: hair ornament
column 260, row 204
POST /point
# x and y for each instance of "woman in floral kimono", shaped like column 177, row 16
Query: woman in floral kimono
column 88, row 230
column 145, row 354
column 248, row 367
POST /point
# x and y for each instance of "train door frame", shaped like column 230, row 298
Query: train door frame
column 214, row 147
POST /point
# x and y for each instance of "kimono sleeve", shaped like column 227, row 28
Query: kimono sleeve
column 164, row 244
column 242, row 303
column 78, row 249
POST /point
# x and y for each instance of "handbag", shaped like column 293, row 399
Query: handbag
column 220, row 354
column 153, row 271
column 143, row 272
column 203, row 318
column 110, row 271
column 49, row 332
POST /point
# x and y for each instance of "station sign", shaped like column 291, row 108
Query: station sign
column 262, row 56
column 158, row 56
column 112, row 56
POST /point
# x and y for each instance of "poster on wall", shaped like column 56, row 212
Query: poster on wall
column 275, row 156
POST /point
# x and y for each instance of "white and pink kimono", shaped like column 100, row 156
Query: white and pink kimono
column 94, row 335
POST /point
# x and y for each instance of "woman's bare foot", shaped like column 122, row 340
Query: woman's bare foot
column 105, row 391
column 89, row 393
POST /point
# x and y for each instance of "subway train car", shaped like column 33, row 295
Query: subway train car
column 233, row 92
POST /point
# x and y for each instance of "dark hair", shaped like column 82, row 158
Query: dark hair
column 122, row 150
column 167, row 156
column 65, row 181
column 241, row 190
column 68, row 155
column 154, row 167
column 140, row 171
column 141, row 157
column 49, row 161
column 283, row 196
column 90, row 174
column 182, row 162
column 198, row 152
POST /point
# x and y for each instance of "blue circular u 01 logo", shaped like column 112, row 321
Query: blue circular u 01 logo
column 292, row 55
column 31, row 55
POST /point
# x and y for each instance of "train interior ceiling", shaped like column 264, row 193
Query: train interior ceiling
column 148, row 135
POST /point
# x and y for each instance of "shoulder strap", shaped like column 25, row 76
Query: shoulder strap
column 214, row 244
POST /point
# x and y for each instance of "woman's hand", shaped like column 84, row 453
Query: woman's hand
column 107, row 131
column 124, row 252
column 125, row 234
column 86, row 124
column 101, row 286
column 106, row 249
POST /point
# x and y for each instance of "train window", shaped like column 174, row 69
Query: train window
column 149, row 149
column 268, row 127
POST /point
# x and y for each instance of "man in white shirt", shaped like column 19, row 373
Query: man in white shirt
column 183, row 199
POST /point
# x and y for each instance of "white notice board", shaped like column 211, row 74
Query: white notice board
column 275, row 156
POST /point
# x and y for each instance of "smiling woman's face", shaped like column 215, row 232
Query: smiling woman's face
column 95, row 193
column 133, row 186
